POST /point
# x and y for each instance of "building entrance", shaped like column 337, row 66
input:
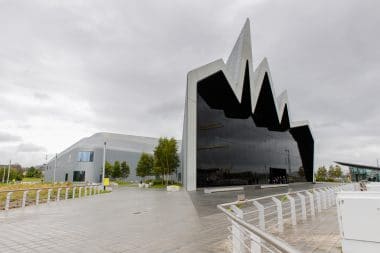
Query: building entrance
column 278, row 176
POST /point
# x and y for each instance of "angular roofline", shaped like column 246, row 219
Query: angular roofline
column 234, row 71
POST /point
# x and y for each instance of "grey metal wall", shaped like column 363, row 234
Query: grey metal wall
column 67, row 163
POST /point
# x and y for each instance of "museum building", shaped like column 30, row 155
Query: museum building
column 236, row 131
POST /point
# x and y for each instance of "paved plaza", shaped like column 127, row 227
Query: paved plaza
column 127, row 220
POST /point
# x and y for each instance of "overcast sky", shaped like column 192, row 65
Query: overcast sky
column 69, row 69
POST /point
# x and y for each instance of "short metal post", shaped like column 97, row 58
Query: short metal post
column 311, row 200
column 24, row 195
column 38, row 197
column 80, row 192
column 58, row 194
column 74, row 188
column 292, row 210
column 303, row 205
column 280, row 221
column 260, row 209
column 85, row 191
column 8, row 200
column 48, row 196
column 67, row 193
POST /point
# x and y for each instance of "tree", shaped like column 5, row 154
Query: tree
column 166, row 157
column 321, row 174
column 108, row 169
column 335, row 171
column 116, row 172
column 145, row 165
column 125, row 169
column 33, row 172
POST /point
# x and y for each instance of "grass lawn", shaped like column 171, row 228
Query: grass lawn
column 31, row 179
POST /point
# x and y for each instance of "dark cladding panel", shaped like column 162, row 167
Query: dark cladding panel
column 231, row 148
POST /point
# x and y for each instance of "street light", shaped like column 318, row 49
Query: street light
column 9, row 169
column 289, row 167
column 55, row 167
column 104, row 164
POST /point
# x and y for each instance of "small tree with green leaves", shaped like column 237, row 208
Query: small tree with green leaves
column 33, row 172
column 166, row 157
column 145, row 166
column 321, row 174
column 125, row 169
column 116, row 172
column 108, row 169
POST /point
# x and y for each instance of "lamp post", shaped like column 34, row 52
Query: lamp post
column 9, row 169
column 55, row 167
column 289, row 168
column 104, row 164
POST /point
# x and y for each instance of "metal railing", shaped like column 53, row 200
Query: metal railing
column 20, row 198
column 257, row 224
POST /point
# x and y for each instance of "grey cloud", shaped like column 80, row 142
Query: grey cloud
column 7, row 137
column 30, row 147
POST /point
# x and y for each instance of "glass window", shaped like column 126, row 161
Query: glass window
column 85, row 156
column 79, row 176
column 236, row 147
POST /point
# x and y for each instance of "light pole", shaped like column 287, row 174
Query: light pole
column 289, row 168
column 104, row 164
column 55, row 167
column 3, row 175
column 9, row 169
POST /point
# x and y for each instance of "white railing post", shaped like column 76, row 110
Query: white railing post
column 303, row 205
column 292, row 209
column 237, row 235
column 24, row 195
column 67, row 193
column 311, row 200
column 85, row 191
column 73, row 197
column 8, row 200
column 48, row 196
column 260, row 209
column 80, row 192
column 58, row 194
column 318, row 197
column 38, row 197
column 280, row 221
column 324, row 199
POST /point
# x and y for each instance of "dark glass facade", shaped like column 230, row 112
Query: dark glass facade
column 238, row 147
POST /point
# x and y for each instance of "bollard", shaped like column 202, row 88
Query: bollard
column 260, row 209
column 319, row 204
column 67, row 193
column 303, row 205
column 311, row 200
column 80, row 192
column 292, row 210
column 38, row 197
column 8, row 200
column 85, row 191
column 73, row 197
column 24, row 195
column 280, row 221
column 48, row 196
column 58, row 194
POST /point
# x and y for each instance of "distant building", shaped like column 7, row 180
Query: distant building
column 360, row 172
column 83, row 161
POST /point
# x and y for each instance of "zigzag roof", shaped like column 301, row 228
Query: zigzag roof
column 234, row 71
